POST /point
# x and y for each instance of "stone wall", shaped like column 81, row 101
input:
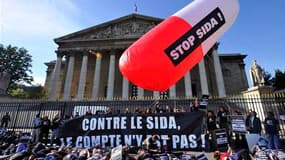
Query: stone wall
column 4, row 82
column 234, row 75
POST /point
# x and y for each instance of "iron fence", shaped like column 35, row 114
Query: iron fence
column 23, row 113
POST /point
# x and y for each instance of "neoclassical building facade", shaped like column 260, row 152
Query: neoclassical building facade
column 87, row 66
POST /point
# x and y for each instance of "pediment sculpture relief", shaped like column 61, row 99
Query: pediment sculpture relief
column 121, row 30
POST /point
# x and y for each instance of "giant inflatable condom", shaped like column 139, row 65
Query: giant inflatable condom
column 164, row 54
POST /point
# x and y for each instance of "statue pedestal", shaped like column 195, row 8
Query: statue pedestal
column 258, row 90
column 256, row 100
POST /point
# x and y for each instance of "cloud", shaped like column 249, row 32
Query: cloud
column 33, row 24
column 37, row 17
column 39, row 81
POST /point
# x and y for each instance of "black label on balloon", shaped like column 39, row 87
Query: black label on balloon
column 188, row 42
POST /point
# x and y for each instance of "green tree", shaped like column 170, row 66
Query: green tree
column 18, row 92
column 29, row 92
column 17, row 62
column 267, row 78
column 36, row 92
column 279, row 80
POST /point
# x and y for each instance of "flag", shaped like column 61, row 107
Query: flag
column 135, row 8
column 96, row 53
column 92, row 52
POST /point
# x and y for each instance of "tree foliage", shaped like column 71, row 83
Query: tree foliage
column 267, row 79
column 18, row 92
column 17, row 62
column 36, row 92
column 278, row 80
column 32, row 92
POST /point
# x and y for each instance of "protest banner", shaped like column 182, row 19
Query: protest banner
column 238, row 124
column 181, row 130
column 221, row 139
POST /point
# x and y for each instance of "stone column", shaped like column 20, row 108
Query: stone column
column 243, row 75
column 140, row 93
column 54, row 78
column 203, row 78
column 156, row 94
column 172, row 92
column 125, row 92
column 68, row 79
column 188, row 85
column 82, row 78
column 218, row 72
column 97, row 75
column 111, row 77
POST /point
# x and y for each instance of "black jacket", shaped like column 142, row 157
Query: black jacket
column 256, row 127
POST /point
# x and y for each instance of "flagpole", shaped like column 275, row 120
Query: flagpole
column 135, row 8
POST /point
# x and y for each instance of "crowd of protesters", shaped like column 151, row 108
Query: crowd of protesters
column 252, row 122
column 43, row 143
column 20, row 146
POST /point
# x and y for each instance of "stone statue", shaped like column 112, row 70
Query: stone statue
column 257, row 74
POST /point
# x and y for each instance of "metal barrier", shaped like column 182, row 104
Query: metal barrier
column 23, row 113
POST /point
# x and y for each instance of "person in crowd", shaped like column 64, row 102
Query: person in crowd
column 21, row 146
column 96, row 154
column 211, row 125
column 271, row 125
column 138, row 111
column 37, row 122
column 148, row 111
column 194, row 106
column 24, row 142
column 157, row 107
column 55, row 128
column 5, row 120
column 88, row 112
column 127, row 111
column 240, row 139
column 98, row 112
column 174, row 109
column 10, row 137
column 253, row 123
column 84, row 154
column 248, row 115
column 211, row 121
column 10, row 149
column 152, row 144
column 223, row 117
column 76, row 114
column 45, row 129
column 108, row 111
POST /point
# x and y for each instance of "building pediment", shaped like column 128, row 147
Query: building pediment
column 131, row 26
